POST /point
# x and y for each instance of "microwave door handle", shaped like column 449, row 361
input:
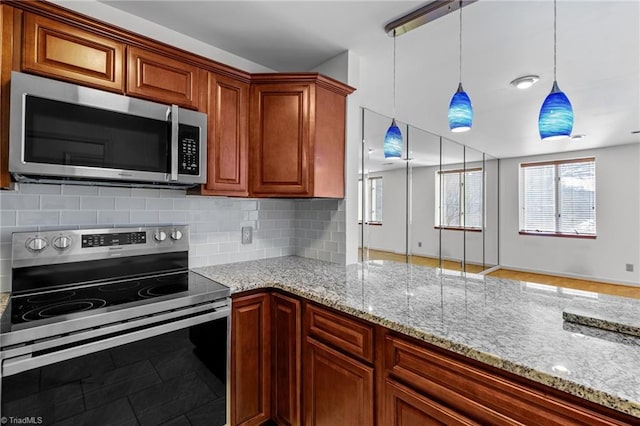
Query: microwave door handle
column 174, row 143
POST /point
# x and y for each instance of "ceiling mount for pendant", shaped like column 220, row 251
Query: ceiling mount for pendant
column 423, row 15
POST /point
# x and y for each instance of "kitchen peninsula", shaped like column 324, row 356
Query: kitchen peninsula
column 516, row 327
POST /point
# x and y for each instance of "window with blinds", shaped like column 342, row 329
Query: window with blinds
column 371, row 196
column 558, row 197
column 459, row 199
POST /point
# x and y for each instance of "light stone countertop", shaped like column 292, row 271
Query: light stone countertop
column 512, row 325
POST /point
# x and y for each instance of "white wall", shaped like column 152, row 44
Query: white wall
column 390, row 236
column 617, row 222
column 152, row 30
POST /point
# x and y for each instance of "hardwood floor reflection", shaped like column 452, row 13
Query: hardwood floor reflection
column 586, row 285
column 424, row 261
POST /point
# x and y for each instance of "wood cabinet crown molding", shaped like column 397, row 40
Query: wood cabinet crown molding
column 304, row 77
column 69, row 17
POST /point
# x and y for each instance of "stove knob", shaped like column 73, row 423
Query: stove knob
column 160, row 236
column 62, row 242
column 36, row 244
column 176, row 234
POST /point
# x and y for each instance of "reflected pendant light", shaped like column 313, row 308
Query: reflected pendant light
column 460, row 109
column 393, row 138
column 556, row 114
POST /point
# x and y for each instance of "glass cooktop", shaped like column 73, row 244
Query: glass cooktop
column 78, row 301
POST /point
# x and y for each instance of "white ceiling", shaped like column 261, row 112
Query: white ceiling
column 598, row 59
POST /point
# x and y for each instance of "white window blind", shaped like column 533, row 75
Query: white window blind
column 559, row 197
column 371, row 196
column 459, row 197
column 375, row 187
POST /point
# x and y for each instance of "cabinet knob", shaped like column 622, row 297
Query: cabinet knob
column 36, row 244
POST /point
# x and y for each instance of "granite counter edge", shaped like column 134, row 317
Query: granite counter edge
column 582, row 391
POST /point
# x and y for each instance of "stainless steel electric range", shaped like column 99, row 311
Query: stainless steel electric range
column 88, row 297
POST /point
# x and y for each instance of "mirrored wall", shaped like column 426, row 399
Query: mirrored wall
column 435, row 206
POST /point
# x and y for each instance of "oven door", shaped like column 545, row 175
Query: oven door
column 68, row 131
column 172, row 371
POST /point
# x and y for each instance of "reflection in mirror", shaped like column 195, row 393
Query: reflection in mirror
column 424, row 238
column 473, row 192
column 449, row 205
column 383, row 194
column 436, row 206
column 491, row 215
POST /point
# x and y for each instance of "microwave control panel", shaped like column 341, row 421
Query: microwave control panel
column 188, row 150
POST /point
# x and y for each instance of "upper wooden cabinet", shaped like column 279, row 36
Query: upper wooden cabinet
column 228, row 133
column 62, row 51
column 297, row 135
column 161, row 78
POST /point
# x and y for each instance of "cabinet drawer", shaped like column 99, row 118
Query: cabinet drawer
column 406, row 407
column 63, row 51
column 340, row 331
column 477, row 393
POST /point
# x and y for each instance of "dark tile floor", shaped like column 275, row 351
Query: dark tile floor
column 158, row 381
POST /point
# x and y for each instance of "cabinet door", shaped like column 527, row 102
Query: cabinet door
column 163, row 79
column 250, row 360
column 405, row 407
column 65, row 52
column 286, row 357
column 228, row 145
column 337, row 389
column 280, row 139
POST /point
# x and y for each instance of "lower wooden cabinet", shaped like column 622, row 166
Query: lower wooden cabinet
column 405, row 407
column 295, row 362
column 338, row 390
column 250, row 360
column 286, row 359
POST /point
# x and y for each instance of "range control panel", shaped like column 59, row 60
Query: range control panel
column 115, row 239
column 63, row 246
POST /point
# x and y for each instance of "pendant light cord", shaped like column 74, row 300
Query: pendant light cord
column 394, row 73
column 555, row 17
column 460, row 39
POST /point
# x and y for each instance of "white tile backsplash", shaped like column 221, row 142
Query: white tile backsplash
column 282, row 227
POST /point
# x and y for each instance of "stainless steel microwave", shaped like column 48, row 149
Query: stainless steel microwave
column 65, row 132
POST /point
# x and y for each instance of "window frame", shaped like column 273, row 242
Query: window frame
column 462, row 204
column 521, row 197
column 367, row 201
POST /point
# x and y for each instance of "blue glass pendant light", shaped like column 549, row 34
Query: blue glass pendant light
column 556, row 114
column 460, row 109
column 393, row 137
column 393, row 141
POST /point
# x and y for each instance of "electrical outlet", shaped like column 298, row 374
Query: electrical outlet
column 419, row 243
column 247, row 235
column 629, row 267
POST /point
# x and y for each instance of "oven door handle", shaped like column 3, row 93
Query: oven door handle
column 19, row 364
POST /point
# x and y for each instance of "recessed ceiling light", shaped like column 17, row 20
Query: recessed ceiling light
column 525, row 81
column 578, row 136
